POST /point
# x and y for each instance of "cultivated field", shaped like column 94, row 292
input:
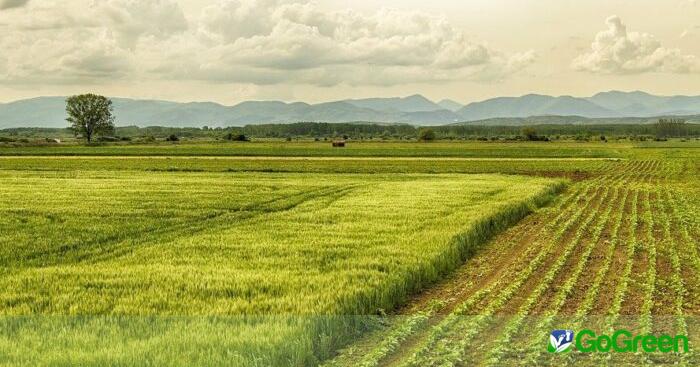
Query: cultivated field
column 241, row 260
column 618, row 250
column 203, row 244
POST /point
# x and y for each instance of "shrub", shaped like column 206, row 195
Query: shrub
column 236, row 137
column 426, row 134
column 530, row 134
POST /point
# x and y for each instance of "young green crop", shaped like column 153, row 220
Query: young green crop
column 272, row 257
column 618, row 250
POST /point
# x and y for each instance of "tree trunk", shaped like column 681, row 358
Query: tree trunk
column 88, row 133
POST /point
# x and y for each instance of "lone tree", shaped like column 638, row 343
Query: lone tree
column 90, row 114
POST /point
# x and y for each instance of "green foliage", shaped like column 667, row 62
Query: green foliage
column 236, row 137
column 529, row 133
column 90, row 114
column 671, row 128
column 328, row 130
column 426, row 134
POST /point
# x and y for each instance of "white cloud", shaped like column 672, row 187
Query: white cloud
column 282, row 40
column 132, row 19
column 251, row 41
column 75, row 42
column 617, row 51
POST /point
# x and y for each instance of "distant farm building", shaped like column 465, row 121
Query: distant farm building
column 339, row 144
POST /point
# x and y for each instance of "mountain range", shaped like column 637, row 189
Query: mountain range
column 415, row 109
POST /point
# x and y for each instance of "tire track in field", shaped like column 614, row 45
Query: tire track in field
column 100, row 250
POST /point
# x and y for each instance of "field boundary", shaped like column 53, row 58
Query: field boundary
column 311, row 158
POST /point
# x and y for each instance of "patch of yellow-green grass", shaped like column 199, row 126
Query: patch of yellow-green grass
column 228, row 268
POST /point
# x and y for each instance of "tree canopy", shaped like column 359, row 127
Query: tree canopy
column 426, row 134
column 90, row 114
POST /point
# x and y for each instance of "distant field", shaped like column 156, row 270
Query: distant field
column 223, row 244
column 465, row 149
column 569, row 167
column 353, row 149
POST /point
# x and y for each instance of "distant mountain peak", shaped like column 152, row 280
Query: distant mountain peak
column 417, row 97
column 412, row 103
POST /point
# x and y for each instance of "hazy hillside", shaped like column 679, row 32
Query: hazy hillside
column 571, row 120
column 35, row 112
column 450, row 105
column 644, row 104
column 533, row 105
column 414, row 103
column 416, row 109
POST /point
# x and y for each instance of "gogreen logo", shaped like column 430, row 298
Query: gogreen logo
column 620, row 341
column 560, row 341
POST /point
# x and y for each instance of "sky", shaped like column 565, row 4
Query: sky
column 228, row 51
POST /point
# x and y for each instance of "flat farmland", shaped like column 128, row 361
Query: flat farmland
column 454, row 255
column 99, row 250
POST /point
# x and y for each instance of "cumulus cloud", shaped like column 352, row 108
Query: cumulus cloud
column 252, row 41
column 9, row 4
column 291, row 40
column 616, row 50
column 133, row 19
column 78, row 42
